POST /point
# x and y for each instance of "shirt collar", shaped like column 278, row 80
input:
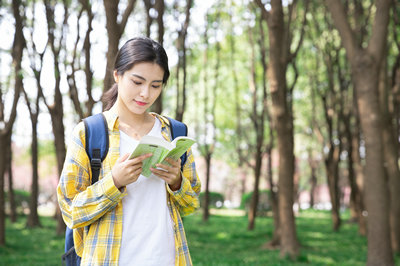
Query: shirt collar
column 112, row 120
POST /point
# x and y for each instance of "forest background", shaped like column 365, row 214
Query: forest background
column 294, row 104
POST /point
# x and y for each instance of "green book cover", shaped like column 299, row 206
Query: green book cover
column 161, row 149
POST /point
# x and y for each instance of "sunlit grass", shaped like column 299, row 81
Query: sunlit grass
column 39, row 246
column 223, row 240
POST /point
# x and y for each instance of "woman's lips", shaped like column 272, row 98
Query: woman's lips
column 140, row 103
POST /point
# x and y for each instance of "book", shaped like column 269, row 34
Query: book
column 161, row 149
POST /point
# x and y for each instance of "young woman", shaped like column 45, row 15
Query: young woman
column 126, row 218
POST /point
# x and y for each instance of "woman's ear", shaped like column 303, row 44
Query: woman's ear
column 116, row 76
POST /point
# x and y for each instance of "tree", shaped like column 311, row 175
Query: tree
column 391, row 108
column 57, row 44
column 76, row 66
column 365, row 65
column 36, row 60
column 259, row 104
column 17, row 53
column 209, row 128
column 148, row 4
column 115, row 30
column 280, row 56
column 181, row 47
column 331, row 93
column 391, row 155
column 160, row 7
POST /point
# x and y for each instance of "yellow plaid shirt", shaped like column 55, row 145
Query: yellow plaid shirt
column 100, row 206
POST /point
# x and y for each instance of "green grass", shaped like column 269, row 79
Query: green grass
column 226, row 241
column 39, row 246
column 223, row 240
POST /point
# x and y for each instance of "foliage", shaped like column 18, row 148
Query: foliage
column 216, row 199
column 264, row 204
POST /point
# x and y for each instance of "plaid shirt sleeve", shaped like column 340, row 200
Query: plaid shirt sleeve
column 186, row 199
column 82, row 203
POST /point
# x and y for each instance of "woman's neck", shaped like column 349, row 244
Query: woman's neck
column 129, row 118
column 135, row 125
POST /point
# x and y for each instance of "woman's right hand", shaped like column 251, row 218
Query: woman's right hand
column 126, row 171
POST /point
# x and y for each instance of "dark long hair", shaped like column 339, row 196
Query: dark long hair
column 136, row 50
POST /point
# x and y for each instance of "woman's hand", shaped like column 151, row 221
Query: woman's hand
column 126, row 171
column 170, row 173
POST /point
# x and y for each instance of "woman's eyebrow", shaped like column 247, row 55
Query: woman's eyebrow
column 140, row 77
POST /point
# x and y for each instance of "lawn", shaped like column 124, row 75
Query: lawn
column 223, row 240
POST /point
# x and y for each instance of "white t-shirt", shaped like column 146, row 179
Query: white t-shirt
column 147, row 228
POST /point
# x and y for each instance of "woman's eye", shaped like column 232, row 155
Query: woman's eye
column 137, row 82
column 156, row 86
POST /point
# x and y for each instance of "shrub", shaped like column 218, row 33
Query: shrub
column 264, row 204
column 216, row 199
column 21, row 198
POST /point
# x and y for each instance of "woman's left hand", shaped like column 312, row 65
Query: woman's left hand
column 170, row 173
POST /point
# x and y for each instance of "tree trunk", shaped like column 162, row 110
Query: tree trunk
column 283, row 122
column 160, row 6
column 355, row 211
column 207, row 149
column 2, row 194
column 33, row 218
column 356, row 157
column 114, row 35
column 149, row 20
column 391, row 159
column 17, row 52
column 181, row 90
column 376, row 185
column 115, row 30
column 206, row 211
column 332, row 168
column 276, row 237
column 313, row 177
column 254, row 199
column 11, row 195
column 157, row 107
column 257, row 117
column 365, row 66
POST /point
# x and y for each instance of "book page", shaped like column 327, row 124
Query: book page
column 159, row 153
column 182, row 145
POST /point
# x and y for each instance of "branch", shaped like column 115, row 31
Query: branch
column 338, row 14
column 395, row 26
column 287, row 34
column 125, row 16
column 302, row 33
column 264, row 12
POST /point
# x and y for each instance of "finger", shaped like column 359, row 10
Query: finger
column 134, row 168
column 140, row 158
column 159, row 172
column 123, row 158
column 173, row 162
column 137, row 172
column 167, row 168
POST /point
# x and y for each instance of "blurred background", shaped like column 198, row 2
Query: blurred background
column 294, row 105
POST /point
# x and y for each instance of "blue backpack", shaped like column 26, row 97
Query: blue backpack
column 96, row 140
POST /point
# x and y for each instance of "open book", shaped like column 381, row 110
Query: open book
column 161, row 149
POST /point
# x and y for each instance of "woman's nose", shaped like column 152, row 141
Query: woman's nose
column 144, row 92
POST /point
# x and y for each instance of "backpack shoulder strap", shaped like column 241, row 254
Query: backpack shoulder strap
column 178, row 129
column 96, row 136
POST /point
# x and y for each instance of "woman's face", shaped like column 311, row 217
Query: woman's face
column 140, row 86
